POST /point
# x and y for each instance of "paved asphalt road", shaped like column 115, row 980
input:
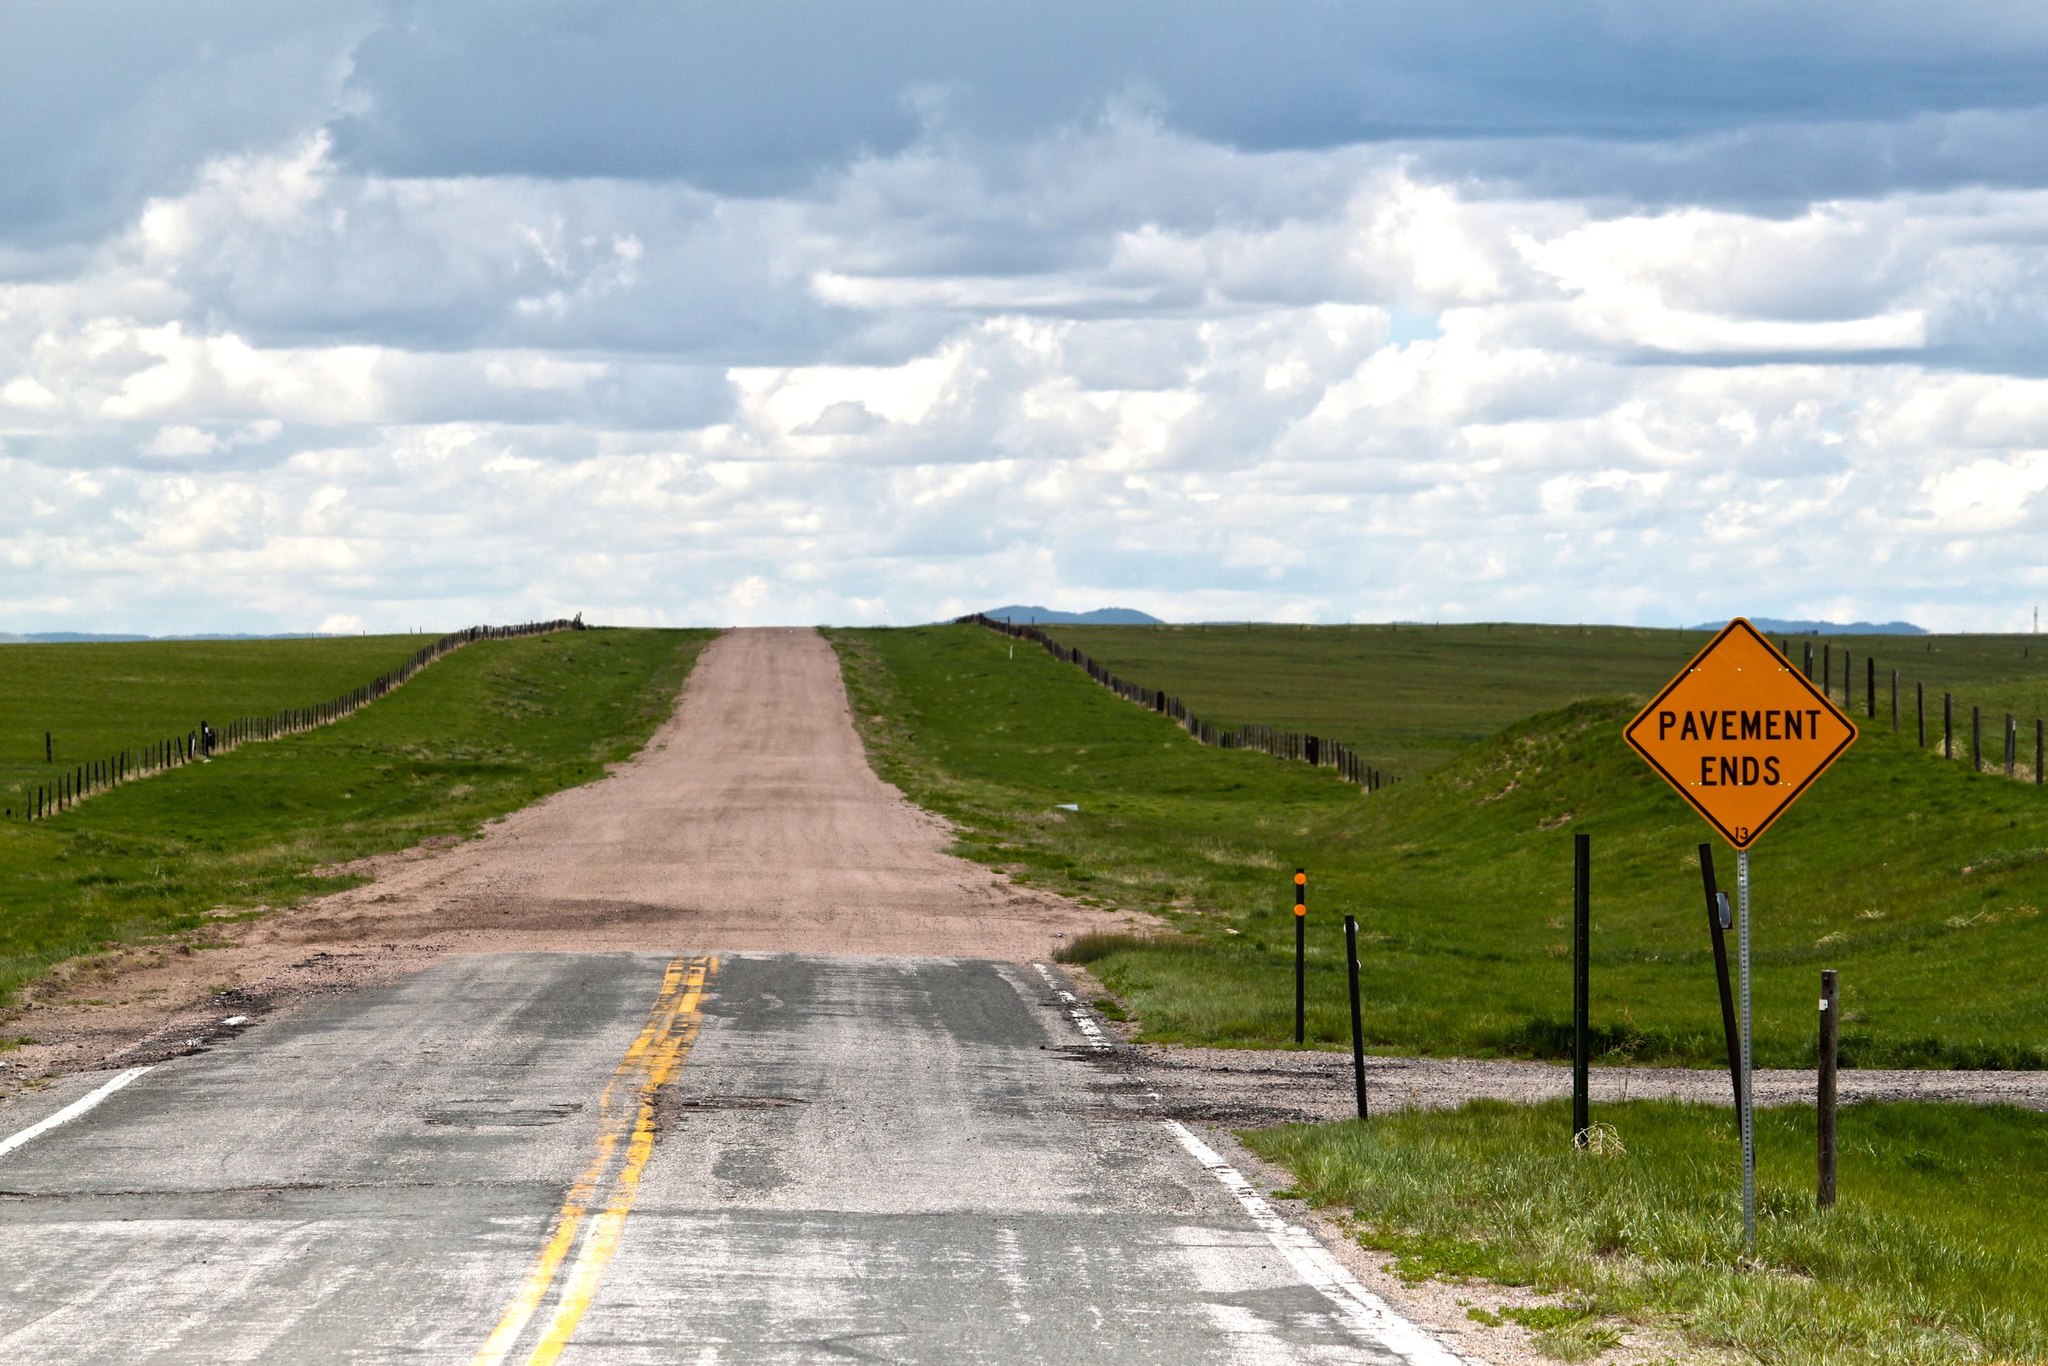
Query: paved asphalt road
column 633, row 1157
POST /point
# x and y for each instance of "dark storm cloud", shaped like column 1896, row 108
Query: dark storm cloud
column 104, row 103
column 764, row 95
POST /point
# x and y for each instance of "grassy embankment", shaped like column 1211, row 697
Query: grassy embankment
column 1411, row 697
column 1921, row 882
column 1932, row 1255
column 486, row 730
column 95, row 699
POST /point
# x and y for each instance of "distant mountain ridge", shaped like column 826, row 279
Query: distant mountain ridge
column 1823, row 628
column 1045, row 616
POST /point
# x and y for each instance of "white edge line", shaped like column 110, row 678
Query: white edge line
column 71, row 1111
column 1366, row 1312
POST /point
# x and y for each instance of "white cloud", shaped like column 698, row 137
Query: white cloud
column 1102, row 358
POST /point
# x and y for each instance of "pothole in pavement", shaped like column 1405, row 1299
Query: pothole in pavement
column 498, row 1112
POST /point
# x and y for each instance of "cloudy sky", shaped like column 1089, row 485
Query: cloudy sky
column 355, row 315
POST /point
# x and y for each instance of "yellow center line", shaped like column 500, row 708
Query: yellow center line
column 650, row 1060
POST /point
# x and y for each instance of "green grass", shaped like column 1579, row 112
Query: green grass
column 486, row 730
column 96, row 699
column 1931, row 1255
column 1922, row 883
column 1410, row 697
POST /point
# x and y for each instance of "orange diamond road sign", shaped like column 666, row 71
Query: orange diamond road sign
column 1740, row 733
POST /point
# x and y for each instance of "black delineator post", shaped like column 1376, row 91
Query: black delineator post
column 2012, row 744
column 1357, row 1016
column 1719, row 934
column 1920, row 711
column 1582, row 1043
column 1824, row 1121
column 1870, row 686
column 1948, row 727
column 1300, row 955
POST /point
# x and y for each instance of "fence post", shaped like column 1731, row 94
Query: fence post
column 1582, row 1044
column 2012, row 738
column 1824, row 1124
column 1809, row 661
column 1920, row 710
column 1870, row 686
column 1948, row 727
column 1300, row 954
column 1357, row 1017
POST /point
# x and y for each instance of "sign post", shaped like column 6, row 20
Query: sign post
column 1741, row 734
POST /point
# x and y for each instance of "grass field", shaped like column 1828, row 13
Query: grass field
column 1921, row 882
column 486, row 730
column 1410, row 697
column 1931, row 1255
column 95, row 699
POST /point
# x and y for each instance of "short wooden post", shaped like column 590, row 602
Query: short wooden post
column 1830, row 1009
column 49, row 749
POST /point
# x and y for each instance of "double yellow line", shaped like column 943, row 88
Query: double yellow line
column 592, row 1218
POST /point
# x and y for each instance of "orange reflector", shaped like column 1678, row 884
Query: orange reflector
column 1300, row 879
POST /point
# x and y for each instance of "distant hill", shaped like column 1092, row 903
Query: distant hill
column 1781, row 626
column 1101, row 616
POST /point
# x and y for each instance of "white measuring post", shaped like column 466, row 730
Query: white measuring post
column 1748, row 1108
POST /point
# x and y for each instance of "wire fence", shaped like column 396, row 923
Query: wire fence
column 1317, row 750
column 2006, row 758
column 81, row 781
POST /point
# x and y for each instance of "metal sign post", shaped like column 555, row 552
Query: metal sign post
column 1740, row 734
column 1748, row 1100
